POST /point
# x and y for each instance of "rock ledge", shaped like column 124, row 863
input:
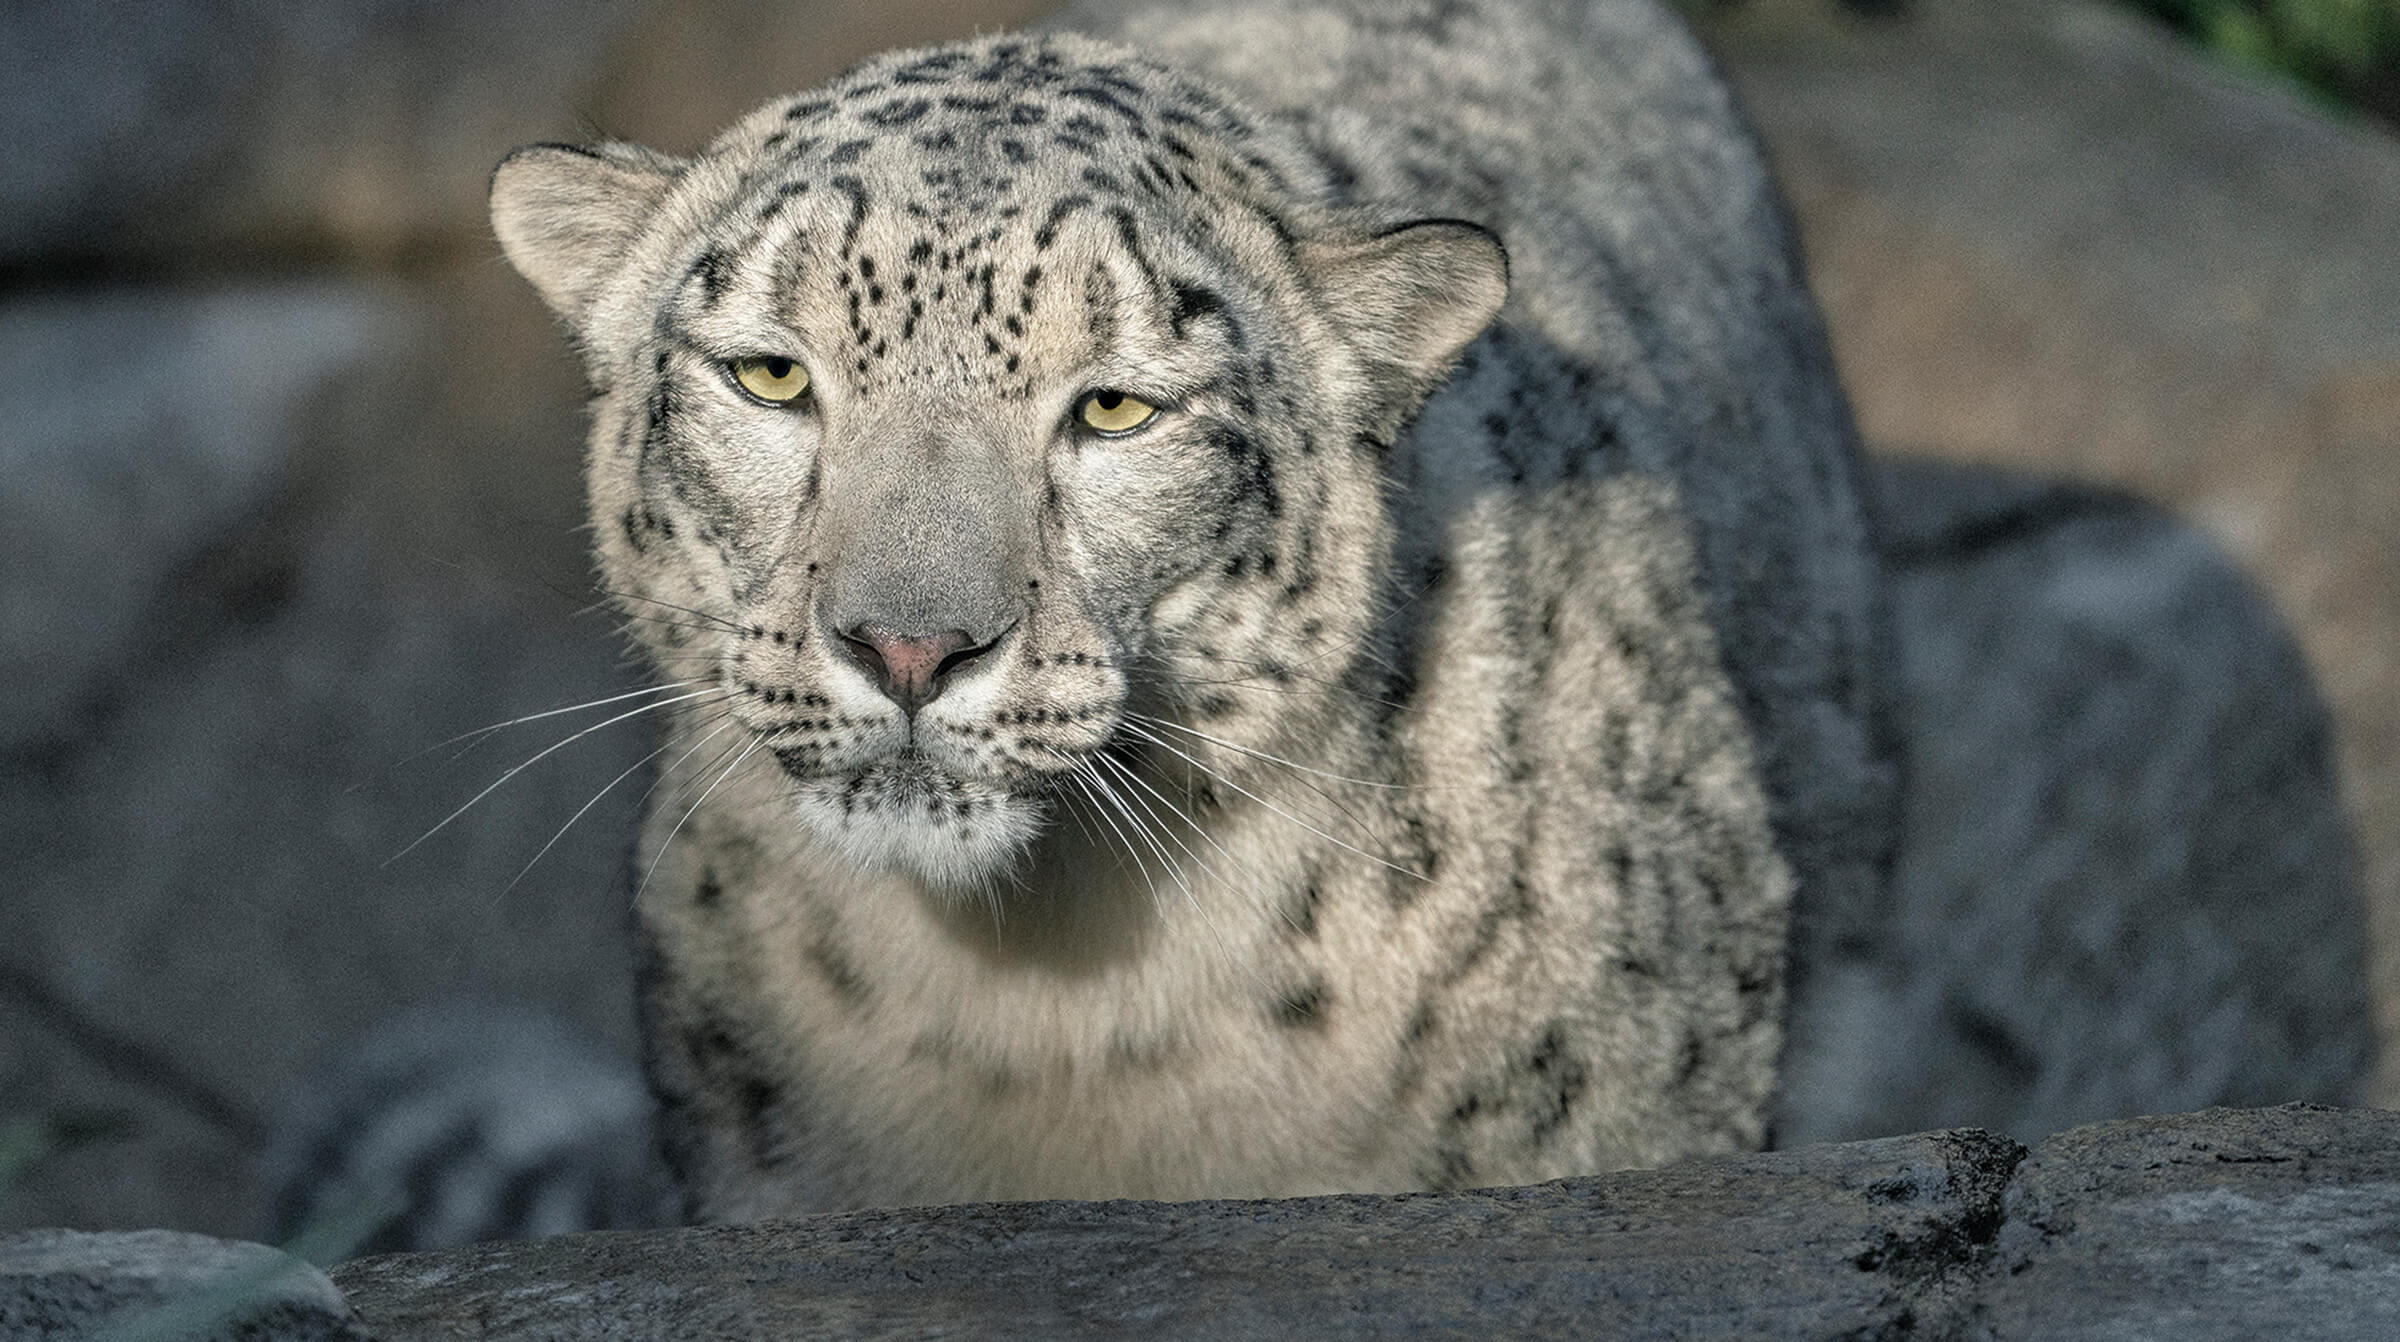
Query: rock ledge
column 2220, row 1224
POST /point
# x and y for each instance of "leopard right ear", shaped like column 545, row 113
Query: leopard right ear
column 567, row 216
column 1410, row 297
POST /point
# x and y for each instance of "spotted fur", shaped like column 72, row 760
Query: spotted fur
column 1391, row 768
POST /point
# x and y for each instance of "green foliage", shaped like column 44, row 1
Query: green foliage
column 2342, row 50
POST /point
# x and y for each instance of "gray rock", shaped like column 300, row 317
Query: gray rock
column 1867, row 1239
column 2120, row 808
column 256, row 126
column 221, row 734
column 2232, row 1224
column 246, row 129
column 2049, row 234
column 2220, row 1224
column 143, row 429
column 162, row 1285
column 231, row 821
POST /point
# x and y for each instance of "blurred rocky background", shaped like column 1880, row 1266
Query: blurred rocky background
column 289, row 496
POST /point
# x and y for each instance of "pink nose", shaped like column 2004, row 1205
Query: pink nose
column 909, row 668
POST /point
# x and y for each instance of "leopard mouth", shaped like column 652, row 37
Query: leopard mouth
column 908, row 813
column 902, row 779
column 909, row 774
column 942, row 800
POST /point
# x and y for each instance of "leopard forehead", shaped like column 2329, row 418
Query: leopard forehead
column 966, row 130
column 927, row 201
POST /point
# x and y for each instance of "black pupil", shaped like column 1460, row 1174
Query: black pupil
column 1108, row 400
column 779, row 369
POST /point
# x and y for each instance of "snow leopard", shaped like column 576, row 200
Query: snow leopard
column 1242, row 603
column 1269, row 597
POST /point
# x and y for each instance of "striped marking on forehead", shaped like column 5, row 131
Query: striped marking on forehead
column 958, row 138
column 1003, row 102
column 929, row 256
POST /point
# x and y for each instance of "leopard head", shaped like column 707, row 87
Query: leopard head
column 997, row 407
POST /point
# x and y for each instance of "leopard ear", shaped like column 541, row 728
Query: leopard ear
column 567, row 216
column 1412, row 296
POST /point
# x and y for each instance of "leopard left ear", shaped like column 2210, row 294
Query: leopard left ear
column 566, row 215
column 1412, row 296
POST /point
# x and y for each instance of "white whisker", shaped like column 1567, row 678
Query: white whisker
column 1066, row 802
column 1215, row 933
column 716, row 620
column 1263, row 755
column 540, row 756
column 481, row 732
column 1090, row 778
column 475, row 736
column 1155, row 829
column 605, row 789
column 1134, row 776
column 689, row 751
column 611, row 786
column 669, row 841
column 1378, row 861
column 1137, row 730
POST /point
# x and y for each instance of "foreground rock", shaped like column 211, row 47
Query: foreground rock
column 2224, row 1224
column 2232, row 1223
column 1829, row 1240
column 162, row 1284
column 2221, row 1224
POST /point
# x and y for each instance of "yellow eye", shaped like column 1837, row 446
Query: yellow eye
column 773, row 379
column 1114, row 412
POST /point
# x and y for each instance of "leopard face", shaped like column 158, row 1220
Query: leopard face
column 976, row 417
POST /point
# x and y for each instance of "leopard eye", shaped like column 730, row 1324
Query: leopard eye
column 771, row 378
column 1114, row 412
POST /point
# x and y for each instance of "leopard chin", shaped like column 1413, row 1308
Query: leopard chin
column 908, row 816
